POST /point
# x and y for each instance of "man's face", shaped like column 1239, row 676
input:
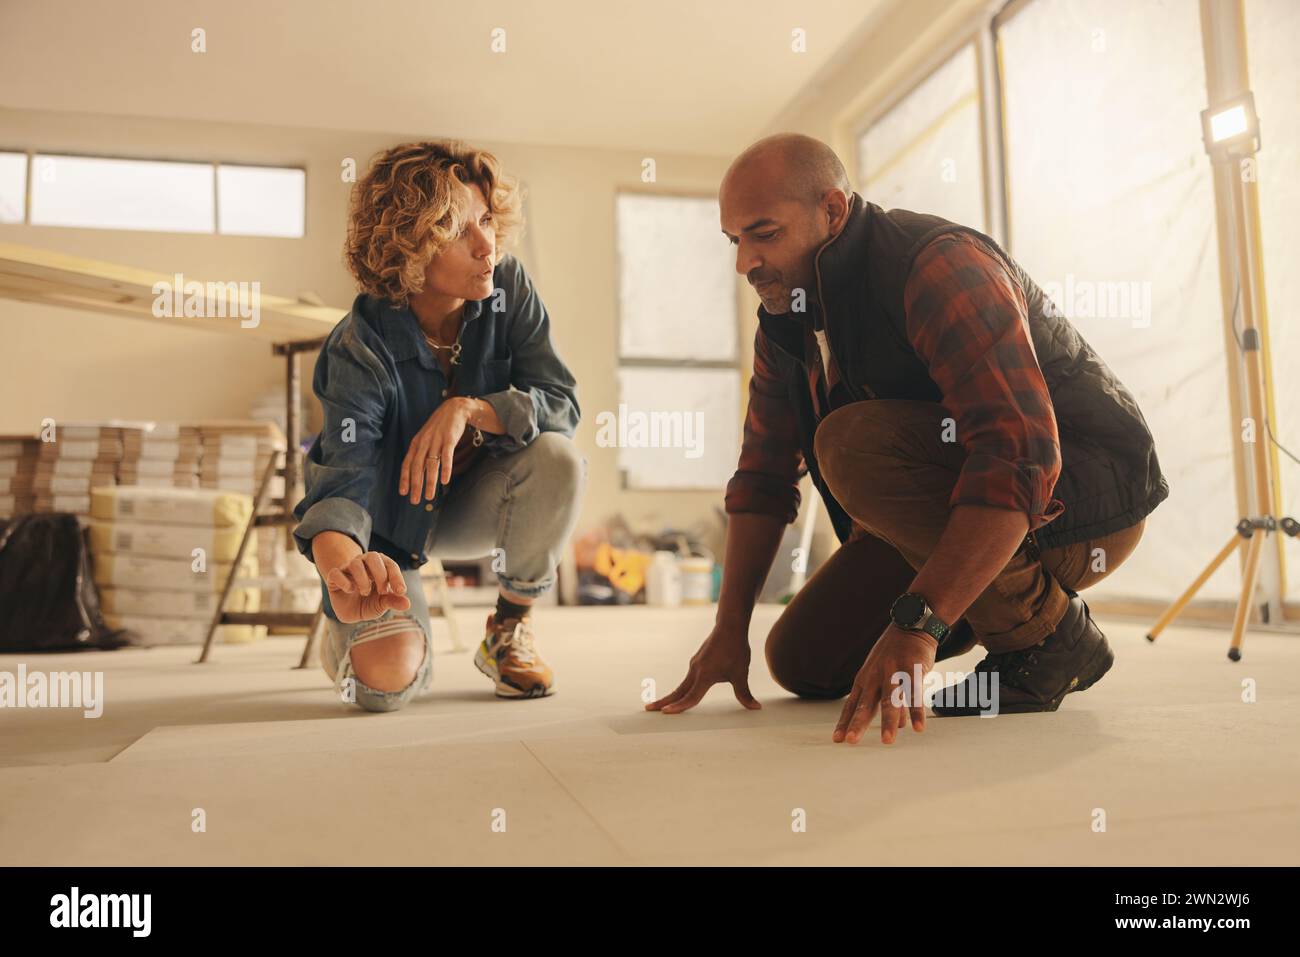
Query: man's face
column 776, row 241
column 463, row 269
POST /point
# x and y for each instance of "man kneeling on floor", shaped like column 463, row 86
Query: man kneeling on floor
column 922, row 378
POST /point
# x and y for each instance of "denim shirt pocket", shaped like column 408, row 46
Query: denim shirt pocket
column 495, row 376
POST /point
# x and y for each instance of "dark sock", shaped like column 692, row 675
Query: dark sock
column 508, row 609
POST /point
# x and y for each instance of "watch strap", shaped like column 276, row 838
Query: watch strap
column 934, row 627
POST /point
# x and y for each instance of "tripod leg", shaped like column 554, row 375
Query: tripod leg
column 1254, row 551
column 1173, row 610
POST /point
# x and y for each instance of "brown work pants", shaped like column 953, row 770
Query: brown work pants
column 887, row 465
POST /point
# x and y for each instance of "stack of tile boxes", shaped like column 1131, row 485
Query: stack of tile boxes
column 17, row 473
column 236, row 453
column 163, row 456
column 72, row 459
column 56, row 471
column 161, row 557
column 150, row 582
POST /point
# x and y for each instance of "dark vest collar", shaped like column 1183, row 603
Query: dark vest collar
column 837, row 262
column 843, row 257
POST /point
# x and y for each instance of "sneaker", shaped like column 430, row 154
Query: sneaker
column 507, row 656
column 1072, row 658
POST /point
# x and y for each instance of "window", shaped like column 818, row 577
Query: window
column 122, row 194
column 159, row 195
column 260, row 201
column 924, row 153
column 678, row 422
column 13, row 187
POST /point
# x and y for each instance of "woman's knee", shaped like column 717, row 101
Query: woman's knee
column 559, row 461
column 391, row 663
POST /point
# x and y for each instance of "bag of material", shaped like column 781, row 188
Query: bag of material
column 47, row 598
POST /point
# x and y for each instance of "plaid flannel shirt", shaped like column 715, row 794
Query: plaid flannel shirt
column 968, row 321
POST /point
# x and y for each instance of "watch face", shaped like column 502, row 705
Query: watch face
column 908, row 610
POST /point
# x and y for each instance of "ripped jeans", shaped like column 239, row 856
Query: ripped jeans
column 524, row 503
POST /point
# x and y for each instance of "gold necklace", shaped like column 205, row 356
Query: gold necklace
column 454, row 347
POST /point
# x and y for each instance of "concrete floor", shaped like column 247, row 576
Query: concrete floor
column 1184, row 771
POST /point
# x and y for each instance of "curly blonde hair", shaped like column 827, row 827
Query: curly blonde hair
column 407, row 208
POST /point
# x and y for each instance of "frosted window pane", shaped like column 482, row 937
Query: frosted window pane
column 1109, row 183
column 13, row 186
column 1273, row 36
column 122, row 194
column 259, row 201
column 924, row 154
column 698, row 416
column 677, row 280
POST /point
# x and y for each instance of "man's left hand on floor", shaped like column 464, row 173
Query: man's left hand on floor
column 897, row 652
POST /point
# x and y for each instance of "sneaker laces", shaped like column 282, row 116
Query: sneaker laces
column 519, row 641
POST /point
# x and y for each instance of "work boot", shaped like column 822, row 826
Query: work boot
column 1072, row 658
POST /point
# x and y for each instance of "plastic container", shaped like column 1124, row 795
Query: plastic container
column 663, row 583
column 697, row 579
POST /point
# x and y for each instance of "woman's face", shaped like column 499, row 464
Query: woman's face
column 463, row 270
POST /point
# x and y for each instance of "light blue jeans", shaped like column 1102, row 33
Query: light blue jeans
column 520, row 508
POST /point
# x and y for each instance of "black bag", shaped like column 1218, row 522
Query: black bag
column 48, row 600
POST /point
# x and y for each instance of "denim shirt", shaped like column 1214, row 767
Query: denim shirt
column 378, row 383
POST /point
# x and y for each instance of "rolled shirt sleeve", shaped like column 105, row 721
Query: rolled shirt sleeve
column 767, row 475
column 340, row 470
column 968, row 321
column 542, row 396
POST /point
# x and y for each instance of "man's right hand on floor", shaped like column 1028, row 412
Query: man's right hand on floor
column 724, row 656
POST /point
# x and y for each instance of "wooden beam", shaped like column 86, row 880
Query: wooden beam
column 52, row 278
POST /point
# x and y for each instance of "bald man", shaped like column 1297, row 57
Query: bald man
column 980, row 463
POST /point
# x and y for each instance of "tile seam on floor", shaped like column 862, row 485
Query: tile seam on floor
column 188, row 759
column 617, row 845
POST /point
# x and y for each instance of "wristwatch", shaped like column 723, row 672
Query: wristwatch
column 911, row 612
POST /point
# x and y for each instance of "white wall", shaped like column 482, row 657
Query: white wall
column 73, row 365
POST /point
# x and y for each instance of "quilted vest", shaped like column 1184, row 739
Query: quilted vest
column 1110, row 476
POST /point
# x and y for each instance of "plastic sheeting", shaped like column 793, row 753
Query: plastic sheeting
column 1112, row 211
column 924, row 154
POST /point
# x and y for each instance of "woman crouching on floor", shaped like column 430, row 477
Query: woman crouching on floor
column 448, row 427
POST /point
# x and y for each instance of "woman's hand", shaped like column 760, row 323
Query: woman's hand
column 366, row 587
column 421, row 471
